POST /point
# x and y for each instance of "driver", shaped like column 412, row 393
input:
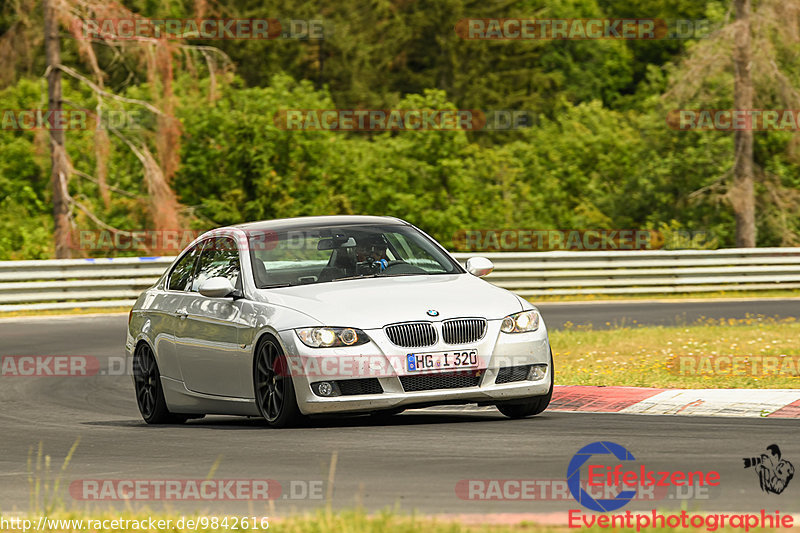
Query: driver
column 371, row 249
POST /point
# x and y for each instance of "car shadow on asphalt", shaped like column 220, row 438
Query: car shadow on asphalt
column 233, row 423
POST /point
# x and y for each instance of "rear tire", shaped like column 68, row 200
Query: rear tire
column 532, row 406
column 273, row 386
column 149, row 391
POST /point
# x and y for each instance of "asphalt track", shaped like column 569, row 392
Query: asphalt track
column 612, row 314
column 414, row 461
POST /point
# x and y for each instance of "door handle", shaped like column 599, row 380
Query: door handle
column 181, row 313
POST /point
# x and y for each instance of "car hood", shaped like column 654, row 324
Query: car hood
column 374, row 302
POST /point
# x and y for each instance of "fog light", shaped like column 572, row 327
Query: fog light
column 537, row 372
column 325, row 389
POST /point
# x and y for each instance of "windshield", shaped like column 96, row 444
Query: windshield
column 321, row 255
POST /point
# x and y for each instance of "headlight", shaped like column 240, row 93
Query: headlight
column 520, row 322
column 330, row 337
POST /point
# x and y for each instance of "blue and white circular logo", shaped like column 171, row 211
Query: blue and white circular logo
column 574, row 476
column 433, row 312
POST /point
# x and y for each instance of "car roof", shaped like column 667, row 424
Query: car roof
column 318, row 221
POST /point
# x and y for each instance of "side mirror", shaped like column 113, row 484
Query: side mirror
column 217, row 287
column 479, row 266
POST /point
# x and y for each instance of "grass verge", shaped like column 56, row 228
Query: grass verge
column 662, row 356
column 58, row 312
column 599, row 296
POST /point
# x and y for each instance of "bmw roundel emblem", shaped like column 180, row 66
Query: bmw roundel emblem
column 433, row 312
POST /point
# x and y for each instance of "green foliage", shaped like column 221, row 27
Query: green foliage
column 600, row 155
column 24, row 208
column 677, row 237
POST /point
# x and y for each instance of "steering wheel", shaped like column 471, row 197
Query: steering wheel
column 401, row 267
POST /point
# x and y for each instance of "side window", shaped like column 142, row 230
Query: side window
column 412, row 253
column 220, row 258
column 181, row 275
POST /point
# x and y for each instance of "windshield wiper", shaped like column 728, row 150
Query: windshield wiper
column 276, row 285
column 362, row 276
column 367, row 276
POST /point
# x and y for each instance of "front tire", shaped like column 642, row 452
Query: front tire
column 532, row 406
column 274, row 389
column 149, row 392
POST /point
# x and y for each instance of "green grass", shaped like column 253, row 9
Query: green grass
column 777, row 294
column 391, row 522
column 58, row 312
column 642, row 356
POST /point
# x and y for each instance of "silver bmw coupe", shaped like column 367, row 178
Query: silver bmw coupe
column 345, row 314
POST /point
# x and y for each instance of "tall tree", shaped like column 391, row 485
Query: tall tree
column 155, row 60
column 759, row 47
column 742, row 196
column 59, row 173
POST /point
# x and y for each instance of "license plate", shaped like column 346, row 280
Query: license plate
column 416, row 362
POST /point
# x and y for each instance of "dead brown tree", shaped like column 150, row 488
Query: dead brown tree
column 742, row 197
column 59, row 173
column 746, row 51
column 158, row 58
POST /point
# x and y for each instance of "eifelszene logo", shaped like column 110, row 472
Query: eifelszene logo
column 629, row 480
column 574, row 476
column 774, row 473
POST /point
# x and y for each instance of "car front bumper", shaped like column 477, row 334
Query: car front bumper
column 383, row 361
